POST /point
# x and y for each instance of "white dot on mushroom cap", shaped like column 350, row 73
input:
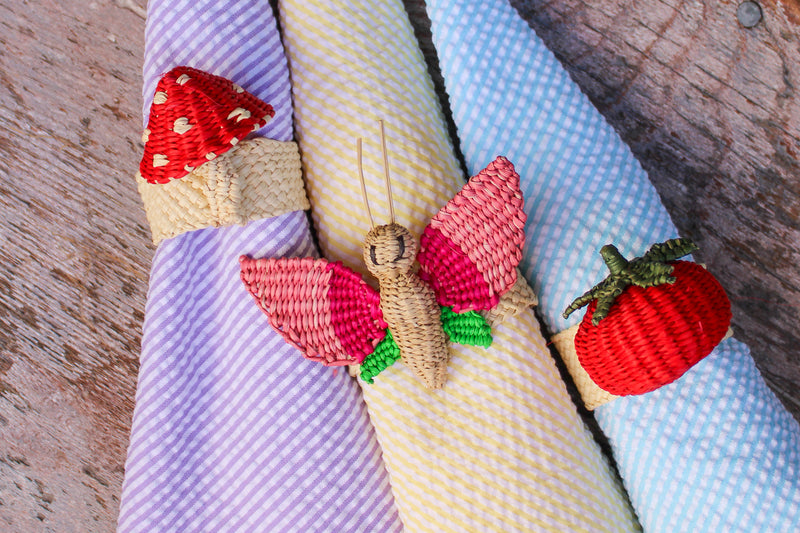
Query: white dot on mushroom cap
column 145, row 135
column 160, row 98
column 210, row 155
column 188, row 168
column 181, row 125
column 267, row 118
column 160, row 160
column 183, row 78
column 240, row 113
column 234, row 140
column 238, row 88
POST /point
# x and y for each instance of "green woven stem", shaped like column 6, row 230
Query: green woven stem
column 650, row 270
column 384, row 356
column 468, row 328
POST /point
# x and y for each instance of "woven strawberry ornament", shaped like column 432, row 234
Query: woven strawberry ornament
column 195, row 117
column 650, row 320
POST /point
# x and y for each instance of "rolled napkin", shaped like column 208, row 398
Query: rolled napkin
column 500, row 447
column 232, row 431
column 714, row 450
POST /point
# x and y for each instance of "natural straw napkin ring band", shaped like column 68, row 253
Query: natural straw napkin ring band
column 258, row 178
column 592, row 395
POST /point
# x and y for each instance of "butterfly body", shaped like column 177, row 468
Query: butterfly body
column 408, row 304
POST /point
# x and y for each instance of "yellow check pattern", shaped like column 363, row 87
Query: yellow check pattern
column 502, row 447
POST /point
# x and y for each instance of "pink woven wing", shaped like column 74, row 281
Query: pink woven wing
column 470, row 250
column 323, row 309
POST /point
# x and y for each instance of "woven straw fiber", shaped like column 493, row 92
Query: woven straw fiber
column 517, row 300
column 407, row 300
column 713, row 451
column 592, row 395
column 258, row 178
column 501, row 447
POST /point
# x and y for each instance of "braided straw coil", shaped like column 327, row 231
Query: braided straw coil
column 258, row 178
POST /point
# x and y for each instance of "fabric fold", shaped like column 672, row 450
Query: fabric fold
column 233, row 430
column 713, row 451
column 501, row 447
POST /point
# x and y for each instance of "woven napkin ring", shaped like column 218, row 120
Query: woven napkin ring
column 592, row 395
column 198, row 169
column 259, row 178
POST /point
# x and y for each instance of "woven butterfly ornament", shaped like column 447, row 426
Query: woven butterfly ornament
column 467, row 259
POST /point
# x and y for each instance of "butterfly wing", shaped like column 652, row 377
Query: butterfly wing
column 323, row 309
column 470, row 250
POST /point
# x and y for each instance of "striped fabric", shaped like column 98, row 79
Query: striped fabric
column 501, row 448
column 233, row 430
column 714, row 451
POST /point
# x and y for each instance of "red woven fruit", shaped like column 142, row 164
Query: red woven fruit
column 653, row 334
column 196, row 117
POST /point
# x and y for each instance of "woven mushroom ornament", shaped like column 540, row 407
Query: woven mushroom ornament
column 467, row 258
column 195, row 117
column 650, row 320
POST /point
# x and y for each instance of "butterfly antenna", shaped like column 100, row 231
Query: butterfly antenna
column 363, row 183
column 386, row 171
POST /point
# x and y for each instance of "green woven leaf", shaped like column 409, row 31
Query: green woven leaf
column 384, row 356
column 652, row 269
column 468, row 328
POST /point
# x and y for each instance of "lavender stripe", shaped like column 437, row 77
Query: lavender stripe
column 186, row 434
column 280, row 427
column 189, row 451
column 300, row 444
column 340, row 459
column 203, row 258
column 211, row 510
column 197, row 371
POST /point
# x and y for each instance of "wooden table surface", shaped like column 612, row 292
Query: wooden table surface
column 709, row 107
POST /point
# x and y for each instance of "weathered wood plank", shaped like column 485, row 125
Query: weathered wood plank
column 75, row 255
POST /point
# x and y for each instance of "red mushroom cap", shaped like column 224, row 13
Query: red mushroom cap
column 195, row 117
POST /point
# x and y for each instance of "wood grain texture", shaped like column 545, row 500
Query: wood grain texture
column 709, row 108
column 76, row 255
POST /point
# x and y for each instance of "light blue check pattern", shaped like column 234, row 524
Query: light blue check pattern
column 714, row 451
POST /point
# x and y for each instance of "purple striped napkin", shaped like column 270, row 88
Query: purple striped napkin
column 233, row 430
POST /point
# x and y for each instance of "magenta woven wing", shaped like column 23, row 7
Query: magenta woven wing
column 470, row 250
column 323, row 309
